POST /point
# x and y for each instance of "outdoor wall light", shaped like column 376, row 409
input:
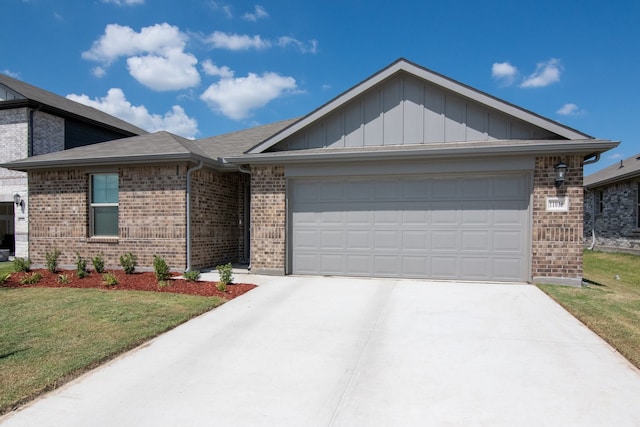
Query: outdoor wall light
column 18, row 200
column 561, row 172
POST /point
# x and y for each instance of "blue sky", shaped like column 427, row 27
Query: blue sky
column 200, row 68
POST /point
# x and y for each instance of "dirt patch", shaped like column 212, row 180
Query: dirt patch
column 143, row 281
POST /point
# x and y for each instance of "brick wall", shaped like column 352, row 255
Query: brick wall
column 557, row 236
column 616, row 227
column 48, row 133
column 151, row 215
column 216, row 227
column 268, row 214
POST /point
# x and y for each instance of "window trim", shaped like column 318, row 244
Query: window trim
column 92, row 206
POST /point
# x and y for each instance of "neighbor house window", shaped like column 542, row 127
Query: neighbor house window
column 600, row 201
column 104, row 204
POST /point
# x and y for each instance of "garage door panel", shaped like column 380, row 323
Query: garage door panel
column 472, row 227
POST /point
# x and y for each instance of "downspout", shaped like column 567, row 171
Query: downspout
column 590, row 159
column 248, row 172
column 189, row 172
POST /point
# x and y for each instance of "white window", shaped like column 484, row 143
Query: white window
column 104, row 205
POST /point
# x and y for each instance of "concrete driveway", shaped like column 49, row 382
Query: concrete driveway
column 360, row 352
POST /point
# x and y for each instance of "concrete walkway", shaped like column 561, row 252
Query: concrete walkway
column 360, row 352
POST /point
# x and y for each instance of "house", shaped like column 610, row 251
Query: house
column 34, row 122
column 407, row 174
column 612, row 207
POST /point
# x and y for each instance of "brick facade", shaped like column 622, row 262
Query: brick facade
column 615, row 222
column 556, row 252
column 152, row 216
column 268, row 217
column 557, row 236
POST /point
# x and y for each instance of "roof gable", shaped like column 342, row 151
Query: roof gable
column 14, row 92
column 408, row 104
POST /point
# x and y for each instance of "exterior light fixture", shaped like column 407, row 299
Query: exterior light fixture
column 18, row 200
column 561, row 172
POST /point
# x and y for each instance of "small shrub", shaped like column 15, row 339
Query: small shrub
column 221, row 286
column 81, row 266
column 128, row 262
column 191, row 276
column 98, row 263
column 4, row 277
column 63, row 279
column 160, row 269
column 52, row 260
column 31, row 279
column 22, row 265
column 225, row 271
column 109, row 279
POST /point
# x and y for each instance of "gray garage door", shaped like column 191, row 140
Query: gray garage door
column 459, row 227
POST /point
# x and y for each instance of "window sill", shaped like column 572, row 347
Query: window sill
column 103, row 239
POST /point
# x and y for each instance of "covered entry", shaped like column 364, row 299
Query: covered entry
column 463, row 226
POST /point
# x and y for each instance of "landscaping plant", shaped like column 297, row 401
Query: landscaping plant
column 22, row 265
column 52, row 260
column 81, row 266
column 31, row 279
column 128, row 262
column 63, row 279
column 225, row 271
column 109, row 279
column 4, row 277
column 98, row 263
column 161, row 270
column 191, row 275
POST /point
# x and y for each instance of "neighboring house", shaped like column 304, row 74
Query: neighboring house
column 407, row 174
column 612, row 207
column 34, row 122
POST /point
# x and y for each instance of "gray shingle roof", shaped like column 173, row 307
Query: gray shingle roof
column 619, row 171
column 60, row 105
column 153, row 148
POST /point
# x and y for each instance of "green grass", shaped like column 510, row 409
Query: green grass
column 48, row 336
column 611, row 306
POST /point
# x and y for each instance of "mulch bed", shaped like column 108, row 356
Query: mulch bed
column 138, row 281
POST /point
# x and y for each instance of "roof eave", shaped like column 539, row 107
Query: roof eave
column 614, row 179
column 441, row 151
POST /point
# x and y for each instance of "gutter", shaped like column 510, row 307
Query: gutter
column 188, row 212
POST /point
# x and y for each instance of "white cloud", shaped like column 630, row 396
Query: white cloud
column 174, row 71
column 259, row 13
column 99, row 72
column 310, row 47
column 504, row 72
column 570, row 110
column 236, row 98
column 222, row 40
column 546, row 73
column 124, row 2
column 224, row 8
column 115, row 103
column 156, row 56
column 212, row 69
column 11, row 73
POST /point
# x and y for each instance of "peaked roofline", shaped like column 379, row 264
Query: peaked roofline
column 44, row 100
column 621, row 170
column 403, row 65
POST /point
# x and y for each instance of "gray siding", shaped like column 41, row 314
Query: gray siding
column 407, row 110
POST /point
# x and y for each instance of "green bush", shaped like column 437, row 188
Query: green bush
column 109, row 279
column 128, row 262
column 31, row 279
column 225, row 271
column 22, row 265
column 81, row 266
column 4, row 277
column 98, row 263
column 63, row 279
column 52, row 260
column 160, row 269
column 191, row 276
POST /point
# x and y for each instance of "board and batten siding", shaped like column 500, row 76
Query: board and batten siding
column 407, row 110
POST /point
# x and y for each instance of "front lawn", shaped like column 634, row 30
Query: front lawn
column 610, row 304
column 50, row 335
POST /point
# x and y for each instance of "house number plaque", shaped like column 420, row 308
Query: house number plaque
column 557, row 204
